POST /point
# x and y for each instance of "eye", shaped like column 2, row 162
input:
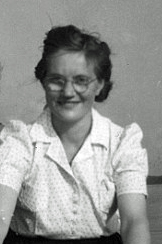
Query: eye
column 82, row 80
column 54, row 80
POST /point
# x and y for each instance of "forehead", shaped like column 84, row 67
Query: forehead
column 69, row 62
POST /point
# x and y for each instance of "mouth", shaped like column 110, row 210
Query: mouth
column 68, row 104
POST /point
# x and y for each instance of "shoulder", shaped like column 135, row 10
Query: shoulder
column 119, row 137
column 15, row 128
column 16, row 154
column 106, row 128
column 16, row 134
column 121, row 132
column 111, row 126
column 131, row 135
column 130, row 154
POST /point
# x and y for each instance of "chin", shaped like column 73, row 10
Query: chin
column 67, row 117
column 68, row 114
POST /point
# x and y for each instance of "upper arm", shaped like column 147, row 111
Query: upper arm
column 132, row 208
column 130, row 163
column 8, row 199
column 130, row 166
column 134, row 222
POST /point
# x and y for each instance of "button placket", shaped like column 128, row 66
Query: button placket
column 75, row 206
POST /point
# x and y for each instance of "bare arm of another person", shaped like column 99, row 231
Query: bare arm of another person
column 134, row 222
column 8, row 198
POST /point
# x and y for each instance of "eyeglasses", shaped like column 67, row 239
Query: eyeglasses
column 57, row 83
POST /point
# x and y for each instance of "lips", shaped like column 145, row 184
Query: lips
column 68, row 104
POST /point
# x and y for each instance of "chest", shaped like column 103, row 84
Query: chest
column 51, row 177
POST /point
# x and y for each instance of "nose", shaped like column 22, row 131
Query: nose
column 68, row 90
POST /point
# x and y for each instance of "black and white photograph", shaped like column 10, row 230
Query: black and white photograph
column 80, row 122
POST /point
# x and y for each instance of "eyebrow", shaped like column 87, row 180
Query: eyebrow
column 60, row 75
column 55, row 74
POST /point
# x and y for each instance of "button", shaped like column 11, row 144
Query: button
column 75, row 200
column 75, row 207
column 74, row 211
column 73, row 232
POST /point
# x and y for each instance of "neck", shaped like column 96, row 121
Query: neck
column 73, row 132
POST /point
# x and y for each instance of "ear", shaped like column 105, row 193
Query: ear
column 100, row 86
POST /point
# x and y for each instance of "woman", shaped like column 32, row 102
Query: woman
column 64, row 176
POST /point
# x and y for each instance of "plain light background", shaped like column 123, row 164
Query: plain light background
column 133, row 30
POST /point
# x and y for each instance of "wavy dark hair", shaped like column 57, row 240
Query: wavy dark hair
column 71, row 38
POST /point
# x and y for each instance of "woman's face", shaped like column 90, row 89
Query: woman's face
column 68, row 105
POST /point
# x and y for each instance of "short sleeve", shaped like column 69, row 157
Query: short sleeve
column 15, row 154
column 130, row 162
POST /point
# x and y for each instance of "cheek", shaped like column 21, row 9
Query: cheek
column 50, row 97
column 89, row 97
column 93, row 92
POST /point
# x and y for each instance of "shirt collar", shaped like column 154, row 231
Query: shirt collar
column 42, row 130
column 100, row 130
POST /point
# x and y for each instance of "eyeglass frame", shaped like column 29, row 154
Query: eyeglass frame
column 65, row 80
